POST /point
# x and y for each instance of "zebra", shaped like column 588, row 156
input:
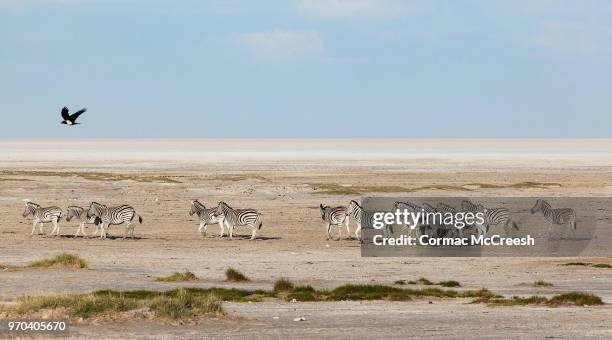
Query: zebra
column 114, row 215
column 81, row 215
column 238, row 217
column 206, row 216
column 334, row 216
column 42, row 215
column 420, row 225
column 444, row 208
column 492, row 217
column 555, row 216
column 356, row 211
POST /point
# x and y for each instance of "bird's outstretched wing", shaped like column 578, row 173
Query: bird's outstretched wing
column 76, row 115
column 65, row 114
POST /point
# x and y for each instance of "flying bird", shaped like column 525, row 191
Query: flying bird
column 70, row 119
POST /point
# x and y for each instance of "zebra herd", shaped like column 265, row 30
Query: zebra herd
column 491, row 217
column 227, row 217
column 340, row 216
column 99, row 214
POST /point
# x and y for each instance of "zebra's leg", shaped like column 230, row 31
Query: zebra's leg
column 222, row 229
column 202, row 234
column 83, row 229
column 348, row 226
column 132, row 231
column 328, row 229
column 254, row 232
column 358, row 231
column 33, row 227
column 127, row 230
column 230, row 229
column 55, row 227
column 40, row 227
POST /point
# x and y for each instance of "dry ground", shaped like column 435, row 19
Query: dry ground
column 283, row 181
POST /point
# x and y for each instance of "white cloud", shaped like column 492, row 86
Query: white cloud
column 351, row 8
column 569, row 37
column 282, row 46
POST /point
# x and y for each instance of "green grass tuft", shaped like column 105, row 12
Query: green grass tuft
column 573, row 298
column 178, row 277
column 542, row 283
column 400, row 282
column 283, row 285
column 60, row 260
column 181, row 304
column 449, row 283
column 232, row 275
column 602, row 265
column 576, row 264
column 303, row 293
column 422, row 281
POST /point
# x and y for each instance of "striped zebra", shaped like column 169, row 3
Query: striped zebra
column 444, row 208
column 115, row 215
column 239, row 217
column 492, row 217
column 206, row 217
column 42, row 215
column 412, row 208
column 555, row 216
column 356, row 211
column 81, row 215
column 335, row 216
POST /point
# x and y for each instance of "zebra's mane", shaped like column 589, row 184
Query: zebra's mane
column 98, row 204
column 445, row 206
column 198, row 204
column 355, row 203
column 221, row 203
column 30, row 203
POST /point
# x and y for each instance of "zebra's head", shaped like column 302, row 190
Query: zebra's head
column 353, row 204
column 30, row 208
column 72, row 212
column 94, row 210
column 323, row 209
column 196, row 207
column 538, row 206
column 222, row 207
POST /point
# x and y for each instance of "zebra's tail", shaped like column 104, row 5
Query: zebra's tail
column 140, row 219
column 260, row 221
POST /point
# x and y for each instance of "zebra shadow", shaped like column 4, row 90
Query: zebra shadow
column 248, row 237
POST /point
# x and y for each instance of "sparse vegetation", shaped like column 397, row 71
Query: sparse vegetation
column 602, row 265
column 400, row 282
column 542, row 283
column 339, row 189
column 94, row 176
column 421, row 281
column 576, row 264
column 177, row 304
column 236, row 177
column 573, row 298
column 178, row 277
column 232, row 275
column 588, row 264
column 283, row 285
column 60, row 260
column 449, row 283
column 302, row 293
column 520, row 185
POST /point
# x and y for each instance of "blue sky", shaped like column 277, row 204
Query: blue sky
column 307, row 68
